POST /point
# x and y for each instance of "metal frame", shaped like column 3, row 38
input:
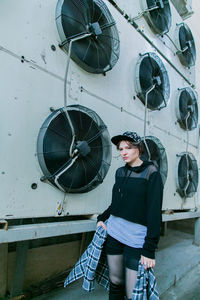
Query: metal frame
column 170, row 216
column 44, row 230
column 37, row 231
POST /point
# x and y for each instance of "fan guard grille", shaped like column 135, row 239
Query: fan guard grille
column 187, row 175
column 150, row 71
column 186, row 44
column 158, row 155
column 157, row 15
column 54, row 142
column 99, row 52
column 187, row 109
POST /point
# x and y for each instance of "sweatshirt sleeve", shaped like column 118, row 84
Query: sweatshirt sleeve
column 154, row 209
column 105, row 215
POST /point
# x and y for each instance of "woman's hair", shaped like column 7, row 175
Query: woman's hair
column 139, row 146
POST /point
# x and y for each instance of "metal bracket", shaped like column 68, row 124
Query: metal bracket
column 3, row 224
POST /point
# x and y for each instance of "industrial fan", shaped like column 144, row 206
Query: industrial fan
column 89, row 161
column 187, row 175
column 157, row 14
column 98, row 52
column 157, row 155
column 187, row 109
column 186, row 45
column 152, row 81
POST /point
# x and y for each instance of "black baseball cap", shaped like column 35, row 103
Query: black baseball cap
column 126, row 136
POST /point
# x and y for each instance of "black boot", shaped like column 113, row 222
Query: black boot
column 116, row 292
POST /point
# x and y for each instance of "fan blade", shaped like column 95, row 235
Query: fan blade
column 191, row 188
column 182, row 37
column 192, row 51
column 80, row 8
column 160, row 16
column 97, row 135
column 154, row 99
column 186, row 187
column 159, row 91
column 182, row 168
column 194, row 120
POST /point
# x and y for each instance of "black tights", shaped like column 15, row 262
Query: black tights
column 120, row 275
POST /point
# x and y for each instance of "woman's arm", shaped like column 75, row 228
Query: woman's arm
column 105, row 215
column 154, row 209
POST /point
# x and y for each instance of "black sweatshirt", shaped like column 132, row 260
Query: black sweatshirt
column 137, row 197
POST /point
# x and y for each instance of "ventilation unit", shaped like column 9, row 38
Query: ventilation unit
column 187, row 109
column 187, row 175
column 183, row 7
column 88, row 165
column 157, row 14
column 186, row 45
column 152, row 81
column 97, row 53
column 157, row 155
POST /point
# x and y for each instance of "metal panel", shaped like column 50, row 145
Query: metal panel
column 45, row 230
column 34, row 83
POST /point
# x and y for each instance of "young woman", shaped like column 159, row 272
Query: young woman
column 134, row 217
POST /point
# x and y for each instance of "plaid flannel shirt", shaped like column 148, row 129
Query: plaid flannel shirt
column 145, row 286
column 93, row 266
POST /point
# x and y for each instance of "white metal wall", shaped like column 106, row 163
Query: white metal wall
column 29, row 88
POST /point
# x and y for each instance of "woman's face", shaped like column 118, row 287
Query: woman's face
column 129, row 152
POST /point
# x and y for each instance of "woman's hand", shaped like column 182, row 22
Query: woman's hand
column 147, row 262
column 100, row 223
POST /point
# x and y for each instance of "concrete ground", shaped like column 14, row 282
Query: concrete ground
column 187, row 288
column 177, row 272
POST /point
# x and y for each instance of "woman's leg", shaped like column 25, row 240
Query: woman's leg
column 131, row 261
column 131, row 276
column 116, row 268
column 116, row 274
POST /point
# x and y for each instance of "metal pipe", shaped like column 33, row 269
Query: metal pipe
column 65, row 88
column 61, row 172
column 187, row 143
column 145, row 119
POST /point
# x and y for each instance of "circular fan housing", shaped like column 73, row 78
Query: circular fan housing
column 185, row 42
column 157, row 15
column 187, row 175
column 187, row 109
column 99, row 52
column 92, row 144
column 158, row 155
column 151, row 71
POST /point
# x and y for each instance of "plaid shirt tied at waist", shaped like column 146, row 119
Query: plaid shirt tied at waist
column 93, row 266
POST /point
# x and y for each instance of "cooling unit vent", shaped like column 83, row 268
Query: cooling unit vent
column 92, row 150
column 187, row 109
column 186, row 45
column 152, row 81
column 183, row 7
column 157, row 155
column 99, row 52
column 187, row 175
column 158, row 15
